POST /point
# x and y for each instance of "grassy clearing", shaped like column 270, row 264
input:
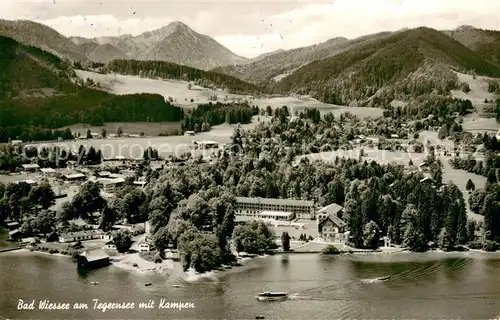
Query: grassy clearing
column 478, row 89
column 148, row 128
column 186, row 98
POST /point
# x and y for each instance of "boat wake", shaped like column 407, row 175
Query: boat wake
column 375, row 280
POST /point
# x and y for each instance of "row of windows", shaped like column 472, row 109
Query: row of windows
column 275, row 208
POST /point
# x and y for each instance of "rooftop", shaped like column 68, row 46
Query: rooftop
column 48, row 170
column 289, row 202
column 95, row 254
column 31, row 166
column 74, row 176
column 330, row 209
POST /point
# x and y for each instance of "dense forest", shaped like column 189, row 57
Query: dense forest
column 86, row 106
column 207, row 115
column 169, row 70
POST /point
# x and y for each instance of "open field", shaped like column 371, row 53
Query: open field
column 478, row 89
column 477, row 124
column 182, row 95
column 148, row 128
column 170, row 145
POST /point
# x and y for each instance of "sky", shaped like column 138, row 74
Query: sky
column 250, row 28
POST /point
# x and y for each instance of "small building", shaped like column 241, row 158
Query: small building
column 144, row 246
column 104, row 174
column 16, row 142
column 15, row 234
column 206, row 144
column 112, row 185
column 12, row 225
column 75, row 177
column 110, row 245
column 189, row 133
column 93, row 258
column 77, row 236
column 332, row 229
column 140, row 183
column 31, row 167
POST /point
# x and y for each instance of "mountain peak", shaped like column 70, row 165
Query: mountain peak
column 465, row 27
column 178, row 25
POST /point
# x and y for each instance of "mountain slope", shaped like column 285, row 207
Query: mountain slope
column 411, row 62
column 278, row 65
column 175, row 43
column 41, row 36
column 23, row 68
column 39, row 89
column 484, row 42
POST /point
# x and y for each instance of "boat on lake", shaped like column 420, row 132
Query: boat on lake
column 271, row 296
column 94, row 282
column 383, row 278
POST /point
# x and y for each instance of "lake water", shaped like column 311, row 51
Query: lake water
column 422, row 286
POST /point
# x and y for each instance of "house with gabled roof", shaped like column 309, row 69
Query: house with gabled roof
column 331, row 227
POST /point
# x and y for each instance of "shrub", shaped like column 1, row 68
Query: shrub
column 330, row 250
column 490, row 246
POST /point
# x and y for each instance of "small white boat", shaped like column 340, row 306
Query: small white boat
column 176, row 285
column 94, row 282
column 271, row 296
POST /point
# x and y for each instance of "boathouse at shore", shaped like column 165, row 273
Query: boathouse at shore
column 93, row 258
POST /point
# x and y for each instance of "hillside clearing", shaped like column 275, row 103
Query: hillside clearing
column 184, row 97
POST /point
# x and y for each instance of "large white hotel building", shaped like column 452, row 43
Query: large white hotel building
column 277, row 209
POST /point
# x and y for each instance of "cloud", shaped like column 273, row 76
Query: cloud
column 250, row 29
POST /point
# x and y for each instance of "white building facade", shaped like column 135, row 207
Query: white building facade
column 254, row 207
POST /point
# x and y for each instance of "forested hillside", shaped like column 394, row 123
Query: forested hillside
column 408, row 63
column 38, row 90
column 24, row 67
column 484, row 42
column 168, row 70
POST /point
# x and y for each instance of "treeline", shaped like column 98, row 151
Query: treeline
column 169, row 70
column 26, row 133
column 426, row 105
column 487, row 168
column 13, row 157
column 210, row 114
